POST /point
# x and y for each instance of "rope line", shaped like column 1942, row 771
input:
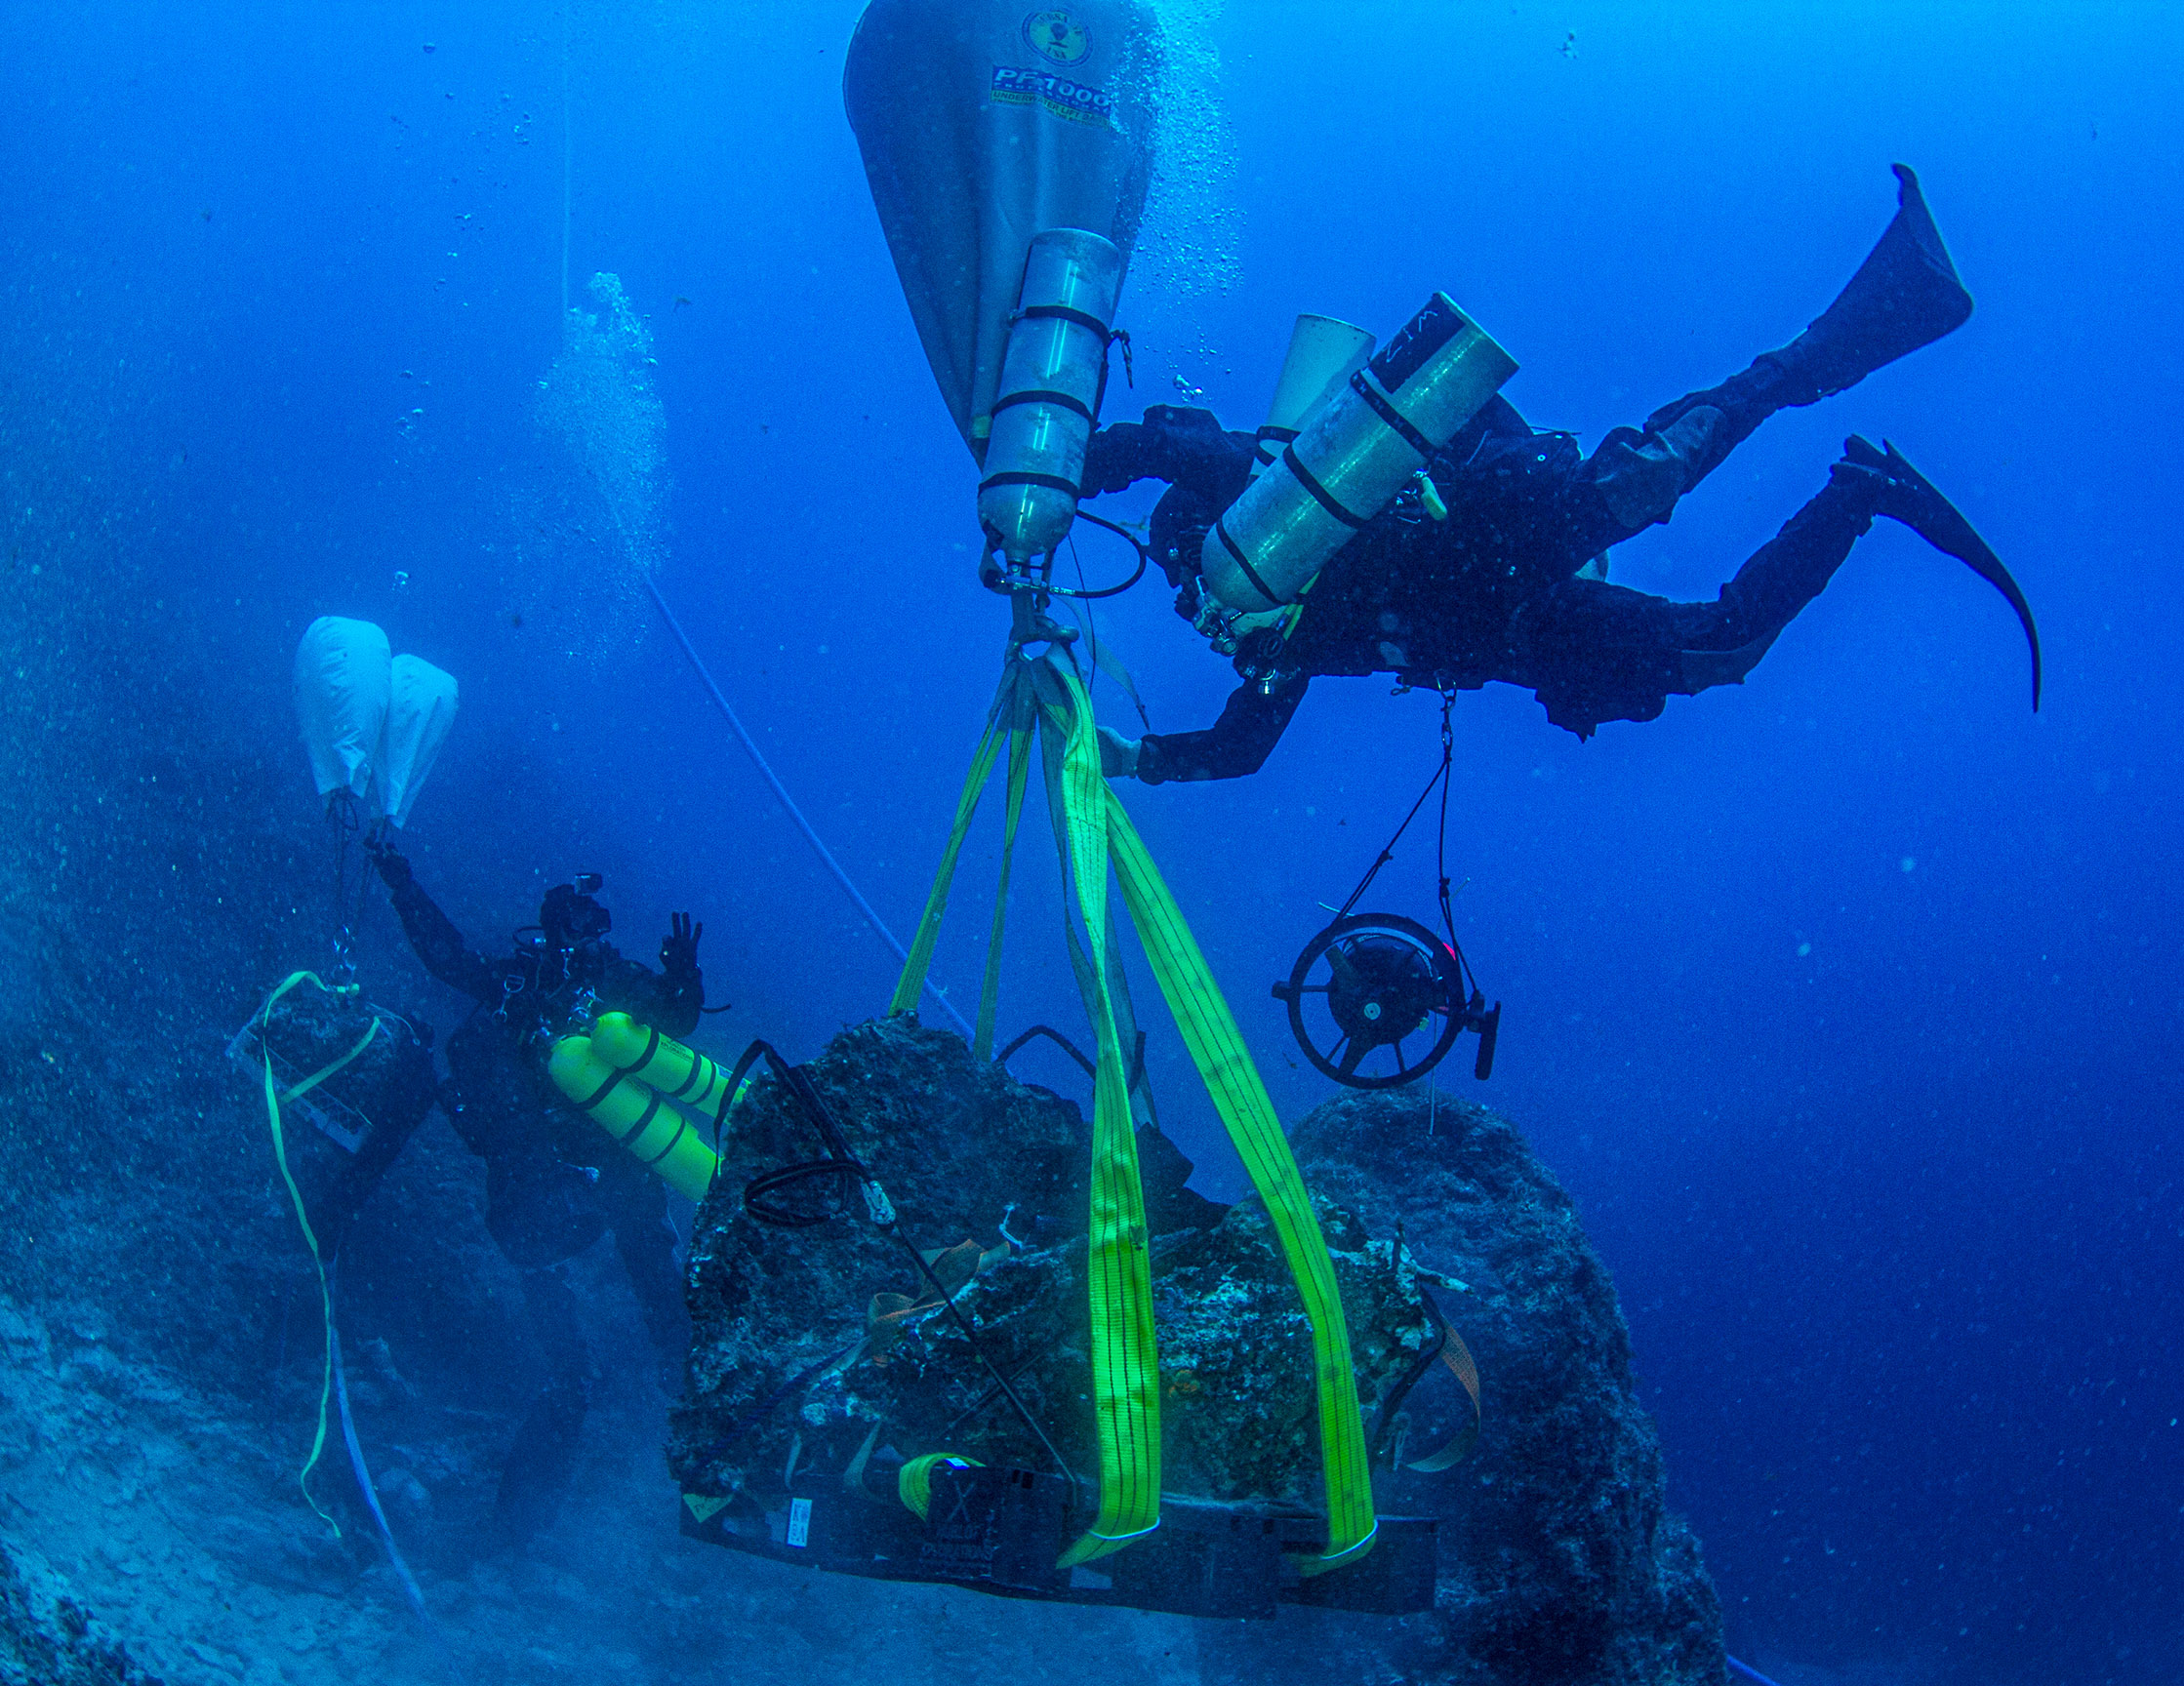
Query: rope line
column 788, row 802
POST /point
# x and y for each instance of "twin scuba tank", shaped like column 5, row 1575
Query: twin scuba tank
column 1350, row 427
column 648, row 1092
column 1346, row 430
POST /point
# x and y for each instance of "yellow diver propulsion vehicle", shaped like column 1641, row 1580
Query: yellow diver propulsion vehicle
column 1356, row 453
column 631, row 1081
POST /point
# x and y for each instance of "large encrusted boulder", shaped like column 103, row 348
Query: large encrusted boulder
column 823, row 1348
column 1558, row 1561
column 1559, row 1564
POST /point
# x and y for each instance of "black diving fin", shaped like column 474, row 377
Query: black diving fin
column 1904, row 295
column 1915, row 501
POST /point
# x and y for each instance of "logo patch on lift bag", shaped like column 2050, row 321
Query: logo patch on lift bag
column 1060, row 96
column 1056, row 35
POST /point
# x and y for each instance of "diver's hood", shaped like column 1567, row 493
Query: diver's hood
column 571, row 919
column 983, row 123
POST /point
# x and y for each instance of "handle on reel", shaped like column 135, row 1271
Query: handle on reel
column 1488, row 1024
column 1388, row 979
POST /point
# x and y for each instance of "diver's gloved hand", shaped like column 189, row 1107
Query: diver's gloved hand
column 1186, row 448
column 679, row 950
column 393, row 866
column 1113, row 457
column 1119, row 755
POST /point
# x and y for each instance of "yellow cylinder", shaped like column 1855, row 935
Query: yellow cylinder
column 658, row 1061
column 634, row 1115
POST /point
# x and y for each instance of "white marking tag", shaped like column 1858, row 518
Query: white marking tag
column 799, row 1521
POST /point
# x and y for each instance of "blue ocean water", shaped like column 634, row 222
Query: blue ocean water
column 1845, row 1002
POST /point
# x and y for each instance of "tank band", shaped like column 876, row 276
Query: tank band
column 1274, row 435
column 1221, row 529
column 652, row 1047
column 1394, row 416
column 684, row 1125
column 643, row 1123
column 1320, row 495
column 1061, row 313
column 1040, row 395
column 1054, row 482
column 600, row 1094
column 698, row 1064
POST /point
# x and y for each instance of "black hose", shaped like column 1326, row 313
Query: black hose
column 1134, row 1078
column 841, row 1163
column 1145, row 560
column 1057, row 1039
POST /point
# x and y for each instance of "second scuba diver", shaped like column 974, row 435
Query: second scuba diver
column 1501, row 589
column 554, row 1182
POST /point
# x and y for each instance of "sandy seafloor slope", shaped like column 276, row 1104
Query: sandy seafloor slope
column 148, row 1504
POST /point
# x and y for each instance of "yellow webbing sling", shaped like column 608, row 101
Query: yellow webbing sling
column 275, row 1098
column 1095, row 835
column 1209, row 1032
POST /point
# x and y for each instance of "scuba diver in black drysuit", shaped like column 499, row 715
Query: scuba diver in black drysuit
column 1501, row 589
column 555, row 1179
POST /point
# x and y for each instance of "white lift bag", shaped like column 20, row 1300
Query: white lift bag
column 373, row 722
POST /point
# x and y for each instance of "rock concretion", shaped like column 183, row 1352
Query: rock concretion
column 819, row 1349
column 1559, row 1562
column 341, row 1134
column 822, row 1346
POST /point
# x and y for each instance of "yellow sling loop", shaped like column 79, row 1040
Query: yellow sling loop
column 1095, row 836
column 274, row 1097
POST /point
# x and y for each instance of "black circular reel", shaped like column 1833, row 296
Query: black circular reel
column 1390, row 994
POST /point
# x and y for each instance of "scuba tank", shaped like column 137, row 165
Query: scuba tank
column 1323, row 353
column 1049, row 396
column 631, row 1101
column 1008, row 150
column 1356, row 453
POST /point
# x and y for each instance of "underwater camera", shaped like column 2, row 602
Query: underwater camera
column 1384, row 991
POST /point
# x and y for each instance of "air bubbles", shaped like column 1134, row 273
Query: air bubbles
column 593, row 535
column 1193, row 228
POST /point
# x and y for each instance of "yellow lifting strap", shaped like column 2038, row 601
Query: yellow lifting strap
column 1125, row 1362
column 275, row 1098
column 915, row 1481
column 1096, row 836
